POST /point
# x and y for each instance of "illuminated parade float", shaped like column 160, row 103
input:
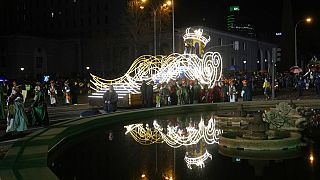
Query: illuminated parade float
column 193, row 64
column 194, row 136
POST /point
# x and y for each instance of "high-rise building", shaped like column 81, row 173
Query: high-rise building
column 238, row 23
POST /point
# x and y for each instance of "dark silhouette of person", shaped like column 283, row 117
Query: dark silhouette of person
column 150, row 94
column 143, row 91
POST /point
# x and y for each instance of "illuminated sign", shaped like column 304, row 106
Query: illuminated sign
column 234, row 8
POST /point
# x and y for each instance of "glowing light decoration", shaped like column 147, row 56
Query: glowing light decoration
column 196, row 35
column 198, row 161
column 176, row 138
column 206, row 69
column 144, row 136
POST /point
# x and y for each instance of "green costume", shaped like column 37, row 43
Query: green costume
column 39, row 110
column 17, row 118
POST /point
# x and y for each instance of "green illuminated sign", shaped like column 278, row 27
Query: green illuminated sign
column 234, row 8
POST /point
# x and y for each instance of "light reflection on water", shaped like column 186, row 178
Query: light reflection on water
column 98, row 156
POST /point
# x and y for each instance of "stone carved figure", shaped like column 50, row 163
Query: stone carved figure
column 286, row 117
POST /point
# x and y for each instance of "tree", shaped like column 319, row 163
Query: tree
column 139, row 21
column 138, row 24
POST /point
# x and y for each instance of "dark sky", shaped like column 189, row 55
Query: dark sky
column 264, row 14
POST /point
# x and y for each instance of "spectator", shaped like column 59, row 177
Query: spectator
column 246, row 91
column 143, row 91
column 266, row 88
column 301, row 85
column 150, row 94
column 196, row 91
column 110, row 99
column 232, row 92
column 52, row 91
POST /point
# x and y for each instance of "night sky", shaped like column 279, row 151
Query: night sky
column 266, row 16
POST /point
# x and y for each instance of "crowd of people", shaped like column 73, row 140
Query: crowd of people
column 231, row 88
column 25, row 104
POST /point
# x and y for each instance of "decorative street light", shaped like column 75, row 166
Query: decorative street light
column 308, row 20
column 245, row 64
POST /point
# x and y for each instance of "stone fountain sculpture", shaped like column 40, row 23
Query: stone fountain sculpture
column 274, row 131
column 286, row 117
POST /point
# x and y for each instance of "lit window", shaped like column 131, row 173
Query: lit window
column 52, row 14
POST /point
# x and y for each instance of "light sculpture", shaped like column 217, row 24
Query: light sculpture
column 175, row 138
column 144, row 136
column 205, row 67
column 198, row 161
column 197, row 35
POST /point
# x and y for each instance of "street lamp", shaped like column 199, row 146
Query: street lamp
column 172, row 26
column 245, row 64
column 87, row 67
column 308, row 20
column 22, row 68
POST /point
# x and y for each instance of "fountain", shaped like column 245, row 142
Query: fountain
column 273, row 134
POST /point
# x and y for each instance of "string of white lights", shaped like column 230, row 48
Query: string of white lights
column 144, row 136
column 176, row 138
column 196, row 35
column 206, row 69
column 198, row 161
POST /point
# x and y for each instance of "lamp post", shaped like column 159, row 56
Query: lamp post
column 308, row 20
column 245, row 65
column 172, row 26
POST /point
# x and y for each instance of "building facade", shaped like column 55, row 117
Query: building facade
column 65, row 38
column 70, row 57
column 247, row 54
